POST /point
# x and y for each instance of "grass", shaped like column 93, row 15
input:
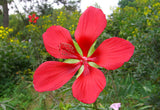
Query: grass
column 132, row 95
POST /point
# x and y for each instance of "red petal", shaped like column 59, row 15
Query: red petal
column 29, row 16
column 88, row 86
column 36, row 18
column 58, row 43
column 112, row 53
column 52, row 75
column 91, row 24
column 30, row 20
column 35, row 21
column 33, row 15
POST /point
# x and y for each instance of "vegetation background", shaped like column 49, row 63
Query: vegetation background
column 136, row 85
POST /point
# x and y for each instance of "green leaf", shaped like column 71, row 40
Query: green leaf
column 146, row 107
column 61, row 105
column 71, row 61
column 93, row 64
column 3, row 106
column 80, row 71
column 7, row 100
column 60, row 60
column 92, row 49
column 146, row 89
column 78, row 48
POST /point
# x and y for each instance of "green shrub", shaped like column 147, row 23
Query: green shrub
column 14, row 57
column 139, row 23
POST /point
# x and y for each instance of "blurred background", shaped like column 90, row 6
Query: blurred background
column 136, row 85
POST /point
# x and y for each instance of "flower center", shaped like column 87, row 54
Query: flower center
column 84, row 60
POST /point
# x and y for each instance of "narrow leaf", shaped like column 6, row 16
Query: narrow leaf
column 92, row 49
column 80, row 71
column 71, row 61
column 78, row 48
column 3, row 106
column 93, row 64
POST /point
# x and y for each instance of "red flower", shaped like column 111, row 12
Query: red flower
column 111, row 54
column 33, row 18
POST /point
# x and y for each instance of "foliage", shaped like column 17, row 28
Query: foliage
column 14, row 57
column 25, row 51
column 123, row 3
column 67, row 20
column 70, row 5
column 1, row 19
column 16, row 23
column 140, row 25
column 45, row 9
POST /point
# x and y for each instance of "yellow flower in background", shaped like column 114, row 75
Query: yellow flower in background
column 155, row 16
column 29, row 69
column 156, row 4
column 142, row 1
column 10, row 30
column 147, row 11
column 61, row 12
column 149, row 22
column 72, row 32
column 4, row 32
column 17, row 41
column 11, row 40
column 24, row 46
column 136, row 29
column 1, row 27
column 27, row 57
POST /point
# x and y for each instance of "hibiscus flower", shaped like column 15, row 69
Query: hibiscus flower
column 111, row 54
column 33, row 18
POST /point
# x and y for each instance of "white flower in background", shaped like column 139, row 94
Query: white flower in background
column 115, row 106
